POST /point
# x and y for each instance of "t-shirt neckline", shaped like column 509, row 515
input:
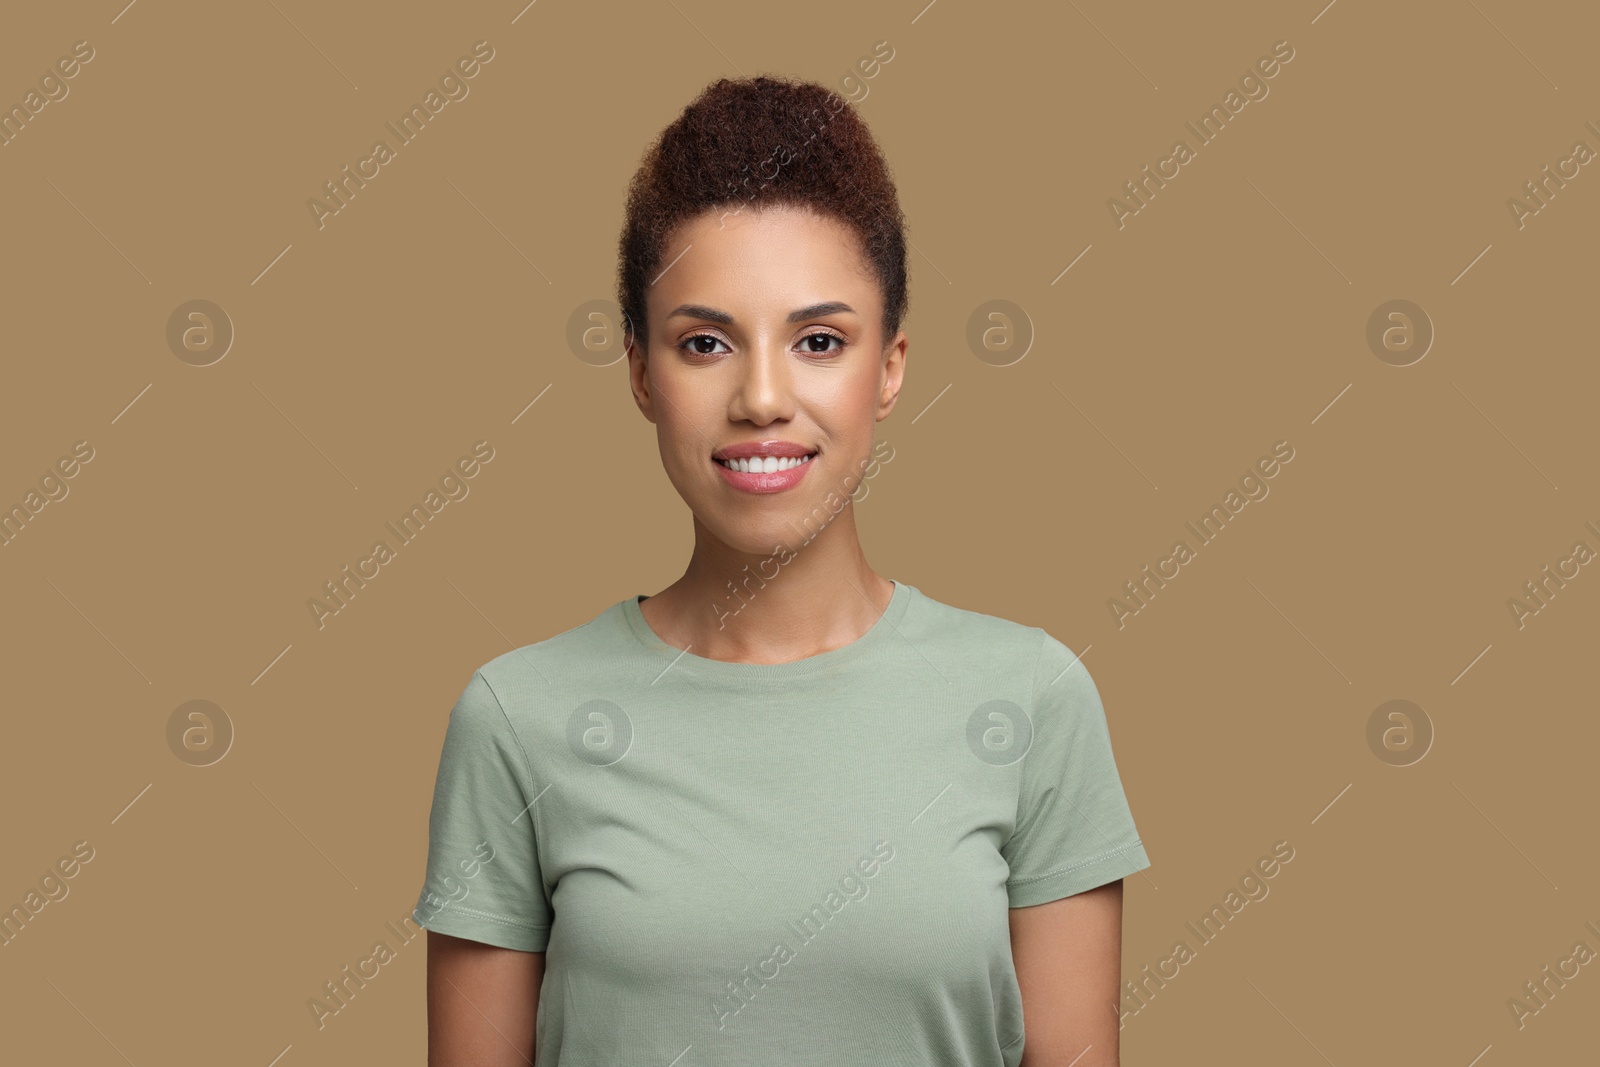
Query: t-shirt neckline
column 880, row 631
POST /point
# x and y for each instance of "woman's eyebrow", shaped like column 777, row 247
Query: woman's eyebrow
column 700, row 311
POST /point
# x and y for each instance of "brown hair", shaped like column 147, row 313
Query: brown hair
column 756, row 141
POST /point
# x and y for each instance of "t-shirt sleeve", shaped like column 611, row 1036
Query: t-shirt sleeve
column 483, row 880
column 1074, row 829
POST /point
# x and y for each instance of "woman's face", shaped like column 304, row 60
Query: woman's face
column 765, row 326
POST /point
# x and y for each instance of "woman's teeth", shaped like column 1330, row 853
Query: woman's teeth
column 764, row 464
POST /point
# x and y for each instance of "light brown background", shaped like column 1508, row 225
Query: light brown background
column 1226, row 316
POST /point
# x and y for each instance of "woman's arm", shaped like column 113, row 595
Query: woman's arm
column 483, row 1001
column 1068, row 957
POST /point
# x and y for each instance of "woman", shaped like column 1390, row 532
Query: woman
column 785, row 810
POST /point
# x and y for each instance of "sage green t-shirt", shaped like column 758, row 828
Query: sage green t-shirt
column 805, row 863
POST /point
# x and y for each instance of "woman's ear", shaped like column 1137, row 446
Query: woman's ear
column 894, row 369
column 639, row 377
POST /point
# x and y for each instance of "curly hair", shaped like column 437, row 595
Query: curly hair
column 758, row 141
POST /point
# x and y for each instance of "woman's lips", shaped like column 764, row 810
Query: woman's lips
column 762, row 482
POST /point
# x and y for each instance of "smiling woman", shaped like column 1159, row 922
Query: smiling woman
column 671, row 791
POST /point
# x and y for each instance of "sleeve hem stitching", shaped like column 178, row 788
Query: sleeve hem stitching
column 503, row 920
column 1075, row 866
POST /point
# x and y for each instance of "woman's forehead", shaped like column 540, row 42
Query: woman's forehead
column 764, row 263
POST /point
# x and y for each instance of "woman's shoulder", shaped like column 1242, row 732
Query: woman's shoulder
column 998, row 638
column 1030, row 656
column 571, row 648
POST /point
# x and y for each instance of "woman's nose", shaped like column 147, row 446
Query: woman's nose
column 765, row 388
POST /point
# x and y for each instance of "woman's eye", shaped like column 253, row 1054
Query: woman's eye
column 816, row 344
column 692, row 345
column 824, row 338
